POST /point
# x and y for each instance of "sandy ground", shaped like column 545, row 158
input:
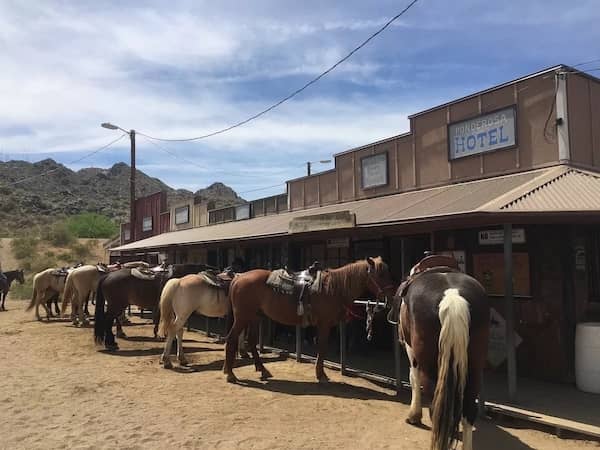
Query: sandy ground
column 57, row 390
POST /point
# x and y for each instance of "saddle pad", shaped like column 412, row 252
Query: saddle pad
column 281, row 282
column 143, row 275
column 133, row 264
column 211, row 278
column 59, row 273
column 102, row 268
column 317, row 284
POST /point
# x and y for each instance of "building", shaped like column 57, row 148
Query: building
column 506, row 179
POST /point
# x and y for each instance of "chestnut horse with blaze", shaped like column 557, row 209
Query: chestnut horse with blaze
column 444, row 323
column 249, row 294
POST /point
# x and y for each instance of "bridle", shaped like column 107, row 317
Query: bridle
column 380, row 290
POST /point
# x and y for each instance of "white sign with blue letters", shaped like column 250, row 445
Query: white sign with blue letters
column 483, row 134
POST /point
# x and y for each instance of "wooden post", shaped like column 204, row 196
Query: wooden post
column 298, row 343
column 397, row 360
column 509, row 312
column 342, row 328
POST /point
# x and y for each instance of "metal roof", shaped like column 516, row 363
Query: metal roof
column 555, row 189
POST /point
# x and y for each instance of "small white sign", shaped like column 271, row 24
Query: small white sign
column 338, row 243
column 497, row 341
column 494, row 237
column 374, row 170
column 460, row 257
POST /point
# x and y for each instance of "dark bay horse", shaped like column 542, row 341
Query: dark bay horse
column 5, row 283
column 444, row 323
column 250, row 294
column 119, row 289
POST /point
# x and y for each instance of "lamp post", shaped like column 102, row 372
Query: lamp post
column 310, row 163
column 131, row 134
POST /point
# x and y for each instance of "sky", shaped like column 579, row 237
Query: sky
column 181, row 69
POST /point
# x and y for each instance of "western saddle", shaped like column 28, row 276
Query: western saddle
column 430, row 263
column 296, row 284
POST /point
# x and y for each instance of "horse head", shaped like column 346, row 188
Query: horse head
column 20, row 276
column 379, row 279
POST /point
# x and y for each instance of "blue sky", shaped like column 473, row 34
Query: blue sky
column 185, row 68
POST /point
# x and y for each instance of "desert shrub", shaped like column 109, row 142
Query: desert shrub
column 59, row 235
column 24, row 248
column 80, row 251
column 22, row 291
column 91, row 225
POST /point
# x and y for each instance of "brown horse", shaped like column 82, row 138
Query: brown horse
column 5, row 283
column 444, row 323
column 250, row 294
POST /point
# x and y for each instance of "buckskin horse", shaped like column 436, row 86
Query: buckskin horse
column 11, row 276
column 444, row 324
column 250, row 294
column 119, row 289
column 46, row 284
column 181, row 297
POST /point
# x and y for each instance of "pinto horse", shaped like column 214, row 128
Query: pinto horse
column 444, row 323
column 11, row 276
column 250, row 294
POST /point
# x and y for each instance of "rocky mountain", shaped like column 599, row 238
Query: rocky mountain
column 40, row 200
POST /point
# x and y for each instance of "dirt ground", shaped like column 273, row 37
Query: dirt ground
column 57, row 390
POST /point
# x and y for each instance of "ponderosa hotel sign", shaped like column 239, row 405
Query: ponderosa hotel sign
column 485, row 133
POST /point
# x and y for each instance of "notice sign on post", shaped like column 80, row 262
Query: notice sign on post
column 483, row 134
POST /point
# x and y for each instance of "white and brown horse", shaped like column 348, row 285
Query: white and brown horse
column 46, row 285
column 444, row 323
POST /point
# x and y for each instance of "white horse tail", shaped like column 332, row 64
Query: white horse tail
column 447, row 405
column 67, row 293
column 167, row 314
column 33, row 295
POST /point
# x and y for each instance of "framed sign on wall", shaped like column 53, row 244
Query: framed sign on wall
column 374, row 170
column 147, row 223
column 182, row 215
column 482, row 134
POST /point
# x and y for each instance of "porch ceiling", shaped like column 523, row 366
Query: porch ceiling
column 553, row 190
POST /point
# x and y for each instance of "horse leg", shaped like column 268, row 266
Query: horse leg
column 81, row 312
column 120, row 333
column 56, row 308
column 415, row 413
column 165, row 358
column 231, row 349
column 86, row 310
column 180, row 355
column 156, row 320
column 109, row 337
column 48, row 312
column 3, row 295
column 252, row 341
column 324, row 331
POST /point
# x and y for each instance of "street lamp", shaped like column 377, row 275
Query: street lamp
column 131, row 133
column 310, row 163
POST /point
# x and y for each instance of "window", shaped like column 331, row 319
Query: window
column 126, row 234
column 374, row 170
column 147, row 224
column 242, row 212
column 182, row 215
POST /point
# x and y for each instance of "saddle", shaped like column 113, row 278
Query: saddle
column 218, row 280
column 61, row 272
column 299, row 285
column 144, row 273
column 133, row 264
column 108, row 268
column 430, row 263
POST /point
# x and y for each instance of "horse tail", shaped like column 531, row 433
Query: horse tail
column 167, row 313
column 99, row 316
column 453, row 362
column 67, row 293
column 33, row 295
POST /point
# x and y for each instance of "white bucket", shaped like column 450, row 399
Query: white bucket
column 587, row 357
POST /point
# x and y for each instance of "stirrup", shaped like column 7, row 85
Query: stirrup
column 300, row 309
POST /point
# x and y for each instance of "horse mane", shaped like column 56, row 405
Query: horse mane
column 350, row 280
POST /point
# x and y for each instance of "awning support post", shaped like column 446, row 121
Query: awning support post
column 342, row 328
column 509, row 312
column 298, row 343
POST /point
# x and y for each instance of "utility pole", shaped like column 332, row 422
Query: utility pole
column 132, row 217
column 308, row 169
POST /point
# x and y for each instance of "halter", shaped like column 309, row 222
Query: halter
column 378, row 288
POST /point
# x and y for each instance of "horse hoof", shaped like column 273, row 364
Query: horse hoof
column 112, row 348
column 183, row 362
column 265, row 375
column 323, row 379
column 168, row 364
column 413, row 421
column 121, row 335
column 231, row 378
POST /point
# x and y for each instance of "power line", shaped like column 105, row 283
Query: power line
column 586, row 62
column 71, row 162
column 261, row 189
column 296, row 92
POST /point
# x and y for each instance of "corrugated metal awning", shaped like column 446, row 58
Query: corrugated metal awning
column 555, row 189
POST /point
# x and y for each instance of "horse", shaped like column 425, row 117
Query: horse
column 179, row 299
column 46, row 284
column 5, row 283
column 250, row 294
column 81, row 283
column 119, row 289
column 444, row 325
